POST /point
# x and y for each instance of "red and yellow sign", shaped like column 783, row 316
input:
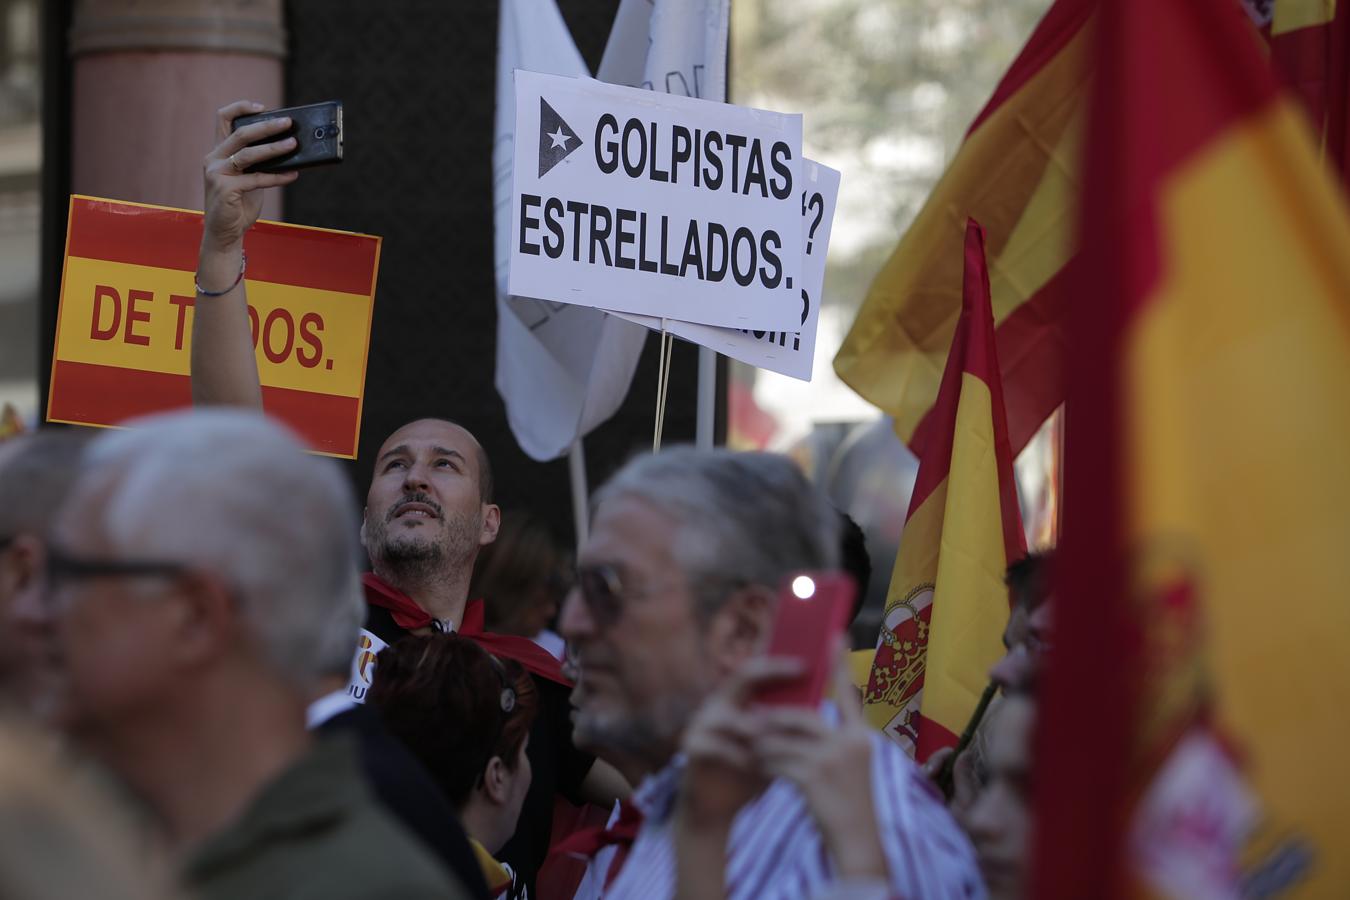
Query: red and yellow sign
column 124, row 326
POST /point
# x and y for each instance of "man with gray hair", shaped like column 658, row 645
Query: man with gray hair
column 676, row 594
column 36, row 471
column 200, row 577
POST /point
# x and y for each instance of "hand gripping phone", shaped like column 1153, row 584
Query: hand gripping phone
column 813, row 609
column 317, row 130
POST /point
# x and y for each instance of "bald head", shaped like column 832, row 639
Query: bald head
column 450, row 435
column 429, row 508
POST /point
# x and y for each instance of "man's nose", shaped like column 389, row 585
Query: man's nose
column 1007, row 672
column 575, row 621
column 415, row 479
column 981, row 820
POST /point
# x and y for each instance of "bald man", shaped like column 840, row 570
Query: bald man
column 428, row 510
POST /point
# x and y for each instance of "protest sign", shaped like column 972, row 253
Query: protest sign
column 628, row 200
column 787, row 352
column 124, row 324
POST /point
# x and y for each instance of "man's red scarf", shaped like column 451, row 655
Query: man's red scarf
column 407, row 614
column 590, row 841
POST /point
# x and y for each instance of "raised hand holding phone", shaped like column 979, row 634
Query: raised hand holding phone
column 315, row 131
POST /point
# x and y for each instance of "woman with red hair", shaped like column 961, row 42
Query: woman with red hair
column 466, row 715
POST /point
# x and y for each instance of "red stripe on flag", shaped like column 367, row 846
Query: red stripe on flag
column 1302, row 58
column 326, row 422
column 1031, row 348
column 933, row 736
column 170, row 239
column 974, row 351
column 1336, row 129
column 1057, row 27
column 106, row 395
column 1204, row 99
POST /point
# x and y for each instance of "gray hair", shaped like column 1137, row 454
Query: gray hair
column 235, row 494
column 36, row 473
column 746, row 518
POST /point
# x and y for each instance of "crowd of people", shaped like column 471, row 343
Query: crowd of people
column 224, row 683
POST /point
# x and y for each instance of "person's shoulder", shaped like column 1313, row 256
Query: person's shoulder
column 914, row 824
column 898, row 761
column 897, row 776
column 372, row 855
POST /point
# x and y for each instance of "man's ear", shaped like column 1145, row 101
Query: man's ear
column 495, row 781
column 364, row 511
column 21, row 563
column 21, row 581
column 740, row 628
column 204, row 621
column 492, row 522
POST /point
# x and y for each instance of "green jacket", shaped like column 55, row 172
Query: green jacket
column 315, row 833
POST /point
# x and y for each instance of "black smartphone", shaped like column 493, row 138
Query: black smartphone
column 317, row 129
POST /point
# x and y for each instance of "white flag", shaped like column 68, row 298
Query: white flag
column 563, row 369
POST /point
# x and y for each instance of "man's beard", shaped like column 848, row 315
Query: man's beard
column 410, row 556
column 648, row 733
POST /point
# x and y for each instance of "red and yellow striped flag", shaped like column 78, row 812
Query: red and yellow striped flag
column 947, row 604
column 1194, row 718
column 124, row 322
column 1310, row 47
column 1017, row 174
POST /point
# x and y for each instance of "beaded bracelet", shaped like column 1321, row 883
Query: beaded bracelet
column 243, row 261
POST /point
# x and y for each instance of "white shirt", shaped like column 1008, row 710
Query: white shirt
column 592, row 886
column 775, row 850
column 326, row 707
column 552, row 642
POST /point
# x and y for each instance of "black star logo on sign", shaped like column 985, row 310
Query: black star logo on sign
column 556, row 138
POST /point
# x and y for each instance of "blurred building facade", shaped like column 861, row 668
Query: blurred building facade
column 20, row 202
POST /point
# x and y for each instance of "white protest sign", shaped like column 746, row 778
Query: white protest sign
column 789, row 353
column 628, row 200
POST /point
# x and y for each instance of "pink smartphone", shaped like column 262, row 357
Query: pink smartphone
column 813, row 607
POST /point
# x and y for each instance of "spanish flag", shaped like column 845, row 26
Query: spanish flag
column 1194, row 721
column 1310, row 47
column 947, row 604
column 1017, row 174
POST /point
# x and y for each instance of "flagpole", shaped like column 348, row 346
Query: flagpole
column 576, row 468
column 707, row 398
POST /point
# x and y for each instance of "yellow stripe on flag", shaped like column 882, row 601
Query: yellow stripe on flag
column 971, row 601
column 1291, row 15
column 1239, row 416
column 139, row 317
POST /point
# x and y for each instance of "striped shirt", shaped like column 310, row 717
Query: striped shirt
column 776, row 852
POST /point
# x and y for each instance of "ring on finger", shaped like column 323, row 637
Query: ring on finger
column 234, row 164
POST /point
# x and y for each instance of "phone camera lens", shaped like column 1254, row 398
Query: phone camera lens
column 318, row 133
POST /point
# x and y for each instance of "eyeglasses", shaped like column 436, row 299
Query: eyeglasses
column 603, row 591
column 605, row 595
column 62, row 566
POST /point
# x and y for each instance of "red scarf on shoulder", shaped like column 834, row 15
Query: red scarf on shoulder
column 407, row 614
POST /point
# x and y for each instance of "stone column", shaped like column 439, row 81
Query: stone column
column 148, row 78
